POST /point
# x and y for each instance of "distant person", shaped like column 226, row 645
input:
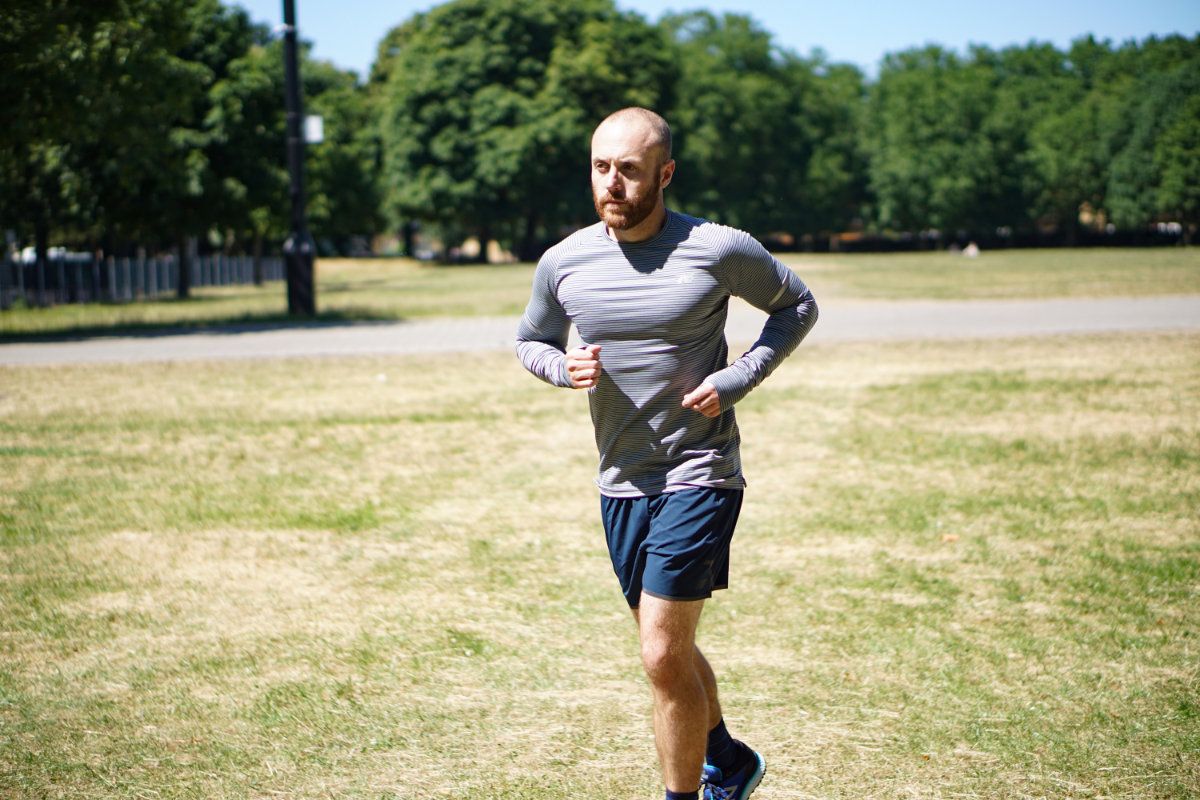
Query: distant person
column 648, row 289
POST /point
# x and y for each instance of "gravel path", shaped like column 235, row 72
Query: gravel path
column 840, row 321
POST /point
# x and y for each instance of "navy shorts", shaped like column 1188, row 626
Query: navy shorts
column 673, row 545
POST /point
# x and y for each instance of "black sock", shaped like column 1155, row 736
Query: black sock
column 683, row 795
column 724, row 752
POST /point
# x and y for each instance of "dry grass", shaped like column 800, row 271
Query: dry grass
column 964, row 570
column 1006, row 274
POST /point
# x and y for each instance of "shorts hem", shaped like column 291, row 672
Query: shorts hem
column 661, row 596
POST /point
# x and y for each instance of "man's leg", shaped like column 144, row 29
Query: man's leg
column 710, row 690
column 680, row 686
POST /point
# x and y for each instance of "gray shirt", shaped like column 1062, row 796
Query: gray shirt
column 657, row 308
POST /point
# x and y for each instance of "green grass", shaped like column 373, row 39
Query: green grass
column 1091, row 272
column 347, row 291
column 964, row 569
column 392, row 289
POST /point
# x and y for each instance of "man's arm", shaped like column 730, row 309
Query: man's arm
column 753, row 274
column 542, row 338
column 542, row 334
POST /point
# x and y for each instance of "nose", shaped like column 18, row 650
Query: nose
column 612, row 179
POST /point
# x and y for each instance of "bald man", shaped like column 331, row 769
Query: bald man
column 648, row 290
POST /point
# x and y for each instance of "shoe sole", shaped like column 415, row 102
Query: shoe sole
column 755, row 779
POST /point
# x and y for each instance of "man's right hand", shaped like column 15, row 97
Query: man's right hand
column 583, row 366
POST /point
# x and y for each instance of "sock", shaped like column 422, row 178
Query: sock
column 724, row 752
column 683, row 795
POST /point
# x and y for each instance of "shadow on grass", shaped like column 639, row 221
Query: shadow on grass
column 216, row 324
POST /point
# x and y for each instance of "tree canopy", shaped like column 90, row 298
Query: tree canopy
column 489, row 104
column 142, row 122
column 146, row 121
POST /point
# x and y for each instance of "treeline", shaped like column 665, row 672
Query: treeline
column 160, row 124
column 152, row 122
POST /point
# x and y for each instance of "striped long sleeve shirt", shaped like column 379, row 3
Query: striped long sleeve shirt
column 657, row 308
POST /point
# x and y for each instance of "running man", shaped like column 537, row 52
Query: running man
column 648, row 290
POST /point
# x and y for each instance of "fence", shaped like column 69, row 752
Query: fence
column 86, row 279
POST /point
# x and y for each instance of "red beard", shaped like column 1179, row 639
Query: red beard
column 630, row 212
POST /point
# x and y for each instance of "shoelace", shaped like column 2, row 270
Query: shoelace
column 713, row 790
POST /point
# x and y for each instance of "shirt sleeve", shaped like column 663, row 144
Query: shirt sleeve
column 753, row 274
column 542, row 334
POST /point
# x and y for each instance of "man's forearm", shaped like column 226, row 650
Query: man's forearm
column 784, row 330
column 544, row 360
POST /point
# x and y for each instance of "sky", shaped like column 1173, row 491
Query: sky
column 860, row 32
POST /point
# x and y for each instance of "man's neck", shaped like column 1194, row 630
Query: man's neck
column 646, row 229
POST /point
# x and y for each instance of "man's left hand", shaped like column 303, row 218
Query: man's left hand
column 704, row 399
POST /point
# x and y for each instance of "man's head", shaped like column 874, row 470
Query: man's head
column 631, row 165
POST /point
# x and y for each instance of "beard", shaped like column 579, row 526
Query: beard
column 631, row 211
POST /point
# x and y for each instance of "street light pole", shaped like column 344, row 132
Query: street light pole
column 298, row 250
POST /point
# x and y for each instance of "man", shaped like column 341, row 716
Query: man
column 648, row 290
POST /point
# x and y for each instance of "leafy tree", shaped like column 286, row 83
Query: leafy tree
column 489, row 103
column 246, row 151
column 1031, row 83
column 1069, row 143
column 1177, row 158
column 60, row 63
column 248, row 157
column 932, row 162
column 740, row 148
column 344, row 190
column 1153, row 168
column 764, row 137
column 110, row 98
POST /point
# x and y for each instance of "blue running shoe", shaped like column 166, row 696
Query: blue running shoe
column 738, row 785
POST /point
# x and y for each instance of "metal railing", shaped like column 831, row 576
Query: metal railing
column 87, row 279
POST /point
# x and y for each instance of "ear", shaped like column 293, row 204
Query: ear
column 666, row 173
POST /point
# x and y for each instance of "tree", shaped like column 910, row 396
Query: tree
column 247, row 123
column 54, row 79
column 344, row 190
column 107, row 102
column 246, row 150
column 1069, row 150
column 765, row 137
column 489, row 104
column 1177, row 158
column 930, row 160
column 1154, row 168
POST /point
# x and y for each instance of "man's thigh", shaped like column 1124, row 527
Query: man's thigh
column 674, row 546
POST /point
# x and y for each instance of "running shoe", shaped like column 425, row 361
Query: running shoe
column 738, row 784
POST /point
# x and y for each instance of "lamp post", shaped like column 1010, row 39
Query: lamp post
column 298, row 250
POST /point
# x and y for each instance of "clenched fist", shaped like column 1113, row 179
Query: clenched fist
column 583, row 366
column 704, row 399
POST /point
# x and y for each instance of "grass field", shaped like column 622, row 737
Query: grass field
column 401, row 289
column 964, row 570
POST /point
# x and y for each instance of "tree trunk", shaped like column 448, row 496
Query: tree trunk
column 409, row 232
column 41, row 236
column 528, row 248
column 184, row 265
column 258, row 263
column 1072, row 232
column 485, row 236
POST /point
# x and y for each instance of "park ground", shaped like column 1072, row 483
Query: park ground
column 966, row 569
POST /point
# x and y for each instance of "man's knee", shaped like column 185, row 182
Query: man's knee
column 668, row 663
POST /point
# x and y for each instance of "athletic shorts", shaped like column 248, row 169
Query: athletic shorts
column 673, row 545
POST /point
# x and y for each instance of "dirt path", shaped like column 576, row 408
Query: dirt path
column 840, row 321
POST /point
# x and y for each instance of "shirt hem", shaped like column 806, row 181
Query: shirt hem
column 738, row 483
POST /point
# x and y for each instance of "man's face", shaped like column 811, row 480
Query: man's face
column 628, row 174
